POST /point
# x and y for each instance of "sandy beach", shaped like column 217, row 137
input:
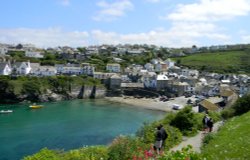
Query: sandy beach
column 153, row 104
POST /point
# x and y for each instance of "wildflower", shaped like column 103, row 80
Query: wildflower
column 134, row 158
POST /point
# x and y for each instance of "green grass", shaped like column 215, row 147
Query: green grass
column 232, row 141
column 221, row 62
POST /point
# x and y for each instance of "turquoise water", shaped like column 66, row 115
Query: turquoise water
column 67, row 125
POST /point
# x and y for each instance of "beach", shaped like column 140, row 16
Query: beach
column 152, row 103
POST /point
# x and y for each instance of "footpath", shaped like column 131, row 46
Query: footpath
column 195, row 141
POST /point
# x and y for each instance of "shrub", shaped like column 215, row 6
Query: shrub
column 147, row 134
column 227, row 113
column 208, row 137
column 87, row 153
column 126, row 147
column 242, row 105
column 44, row 154
column 185, row 154
column 216, row 116
column 185, row 121
column 32, row 89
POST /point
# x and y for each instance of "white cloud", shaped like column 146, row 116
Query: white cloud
column 245, row 38
column 112, row 11
column 50, row 37
column 65, row 2
column 177, row 36
column 210, row 10
column 153, row 1
column 197, row 22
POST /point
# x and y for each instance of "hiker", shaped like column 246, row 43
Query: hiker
column 164, row 136
column 158, row 140
column 210, row 124
column 204, row 121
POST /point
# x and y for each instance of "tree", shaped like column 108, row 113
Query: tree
column 19, row 46
column 242, row 105
column 185, row 120
column 32, row 89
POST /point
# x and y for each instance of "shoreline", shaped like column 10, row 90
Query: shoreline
column 150, row 103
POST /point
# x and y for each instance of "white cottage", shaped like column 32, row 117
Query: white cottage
column 5, row 68
column 114, row 67
column 22, row 68
column 45, row 71
column 33, row 54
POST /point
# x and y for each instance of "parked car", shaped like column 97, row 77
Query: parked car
column 177, row 107
column 189, row 101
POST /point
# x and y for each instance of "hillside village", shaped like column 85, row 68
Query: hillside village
column 159, row 76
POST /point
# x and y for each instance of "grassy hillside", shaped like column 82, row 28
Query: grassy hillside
column 221, row 62
column 232, row 141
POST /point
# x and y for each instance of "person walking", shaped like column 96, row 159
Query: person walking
column 164, row 136
column 158, row 140
column 210, row 124
column 204, row 121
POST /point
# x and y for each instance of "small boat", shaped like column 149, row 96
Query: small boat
column 6, row 111
column 35, row 106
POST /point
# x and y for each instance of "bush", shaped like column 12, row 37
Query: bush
column 208, row 137
column 186, row 121
column 126, row 147
column 147, row 133
column 32, row 89
column 242, row 105
column 185, row 154
column 87, row 153
column 227, row 113
column 216, row 116
column 44, row 154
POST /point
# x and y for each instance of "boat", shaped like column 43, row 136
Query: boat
column 35, row 106
column 6, row 111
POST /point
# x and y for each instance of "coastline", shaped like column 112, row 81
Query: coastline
column 149, row 103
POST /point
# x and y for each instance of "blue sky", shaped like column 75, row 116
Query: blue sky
column 170, row 23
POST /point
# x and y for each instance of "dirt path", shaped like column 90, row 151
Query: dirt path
column 195, row 141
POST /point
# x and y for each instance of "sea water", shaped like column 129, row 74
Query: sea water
column 67, row 125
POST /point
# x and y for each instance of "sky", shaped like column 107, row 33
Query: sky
column 168, row 23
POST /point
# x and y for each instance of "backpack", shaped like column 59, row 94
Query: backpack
column 164, row 134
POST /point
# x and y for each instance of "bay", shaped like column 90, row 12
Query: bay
column 67, row 125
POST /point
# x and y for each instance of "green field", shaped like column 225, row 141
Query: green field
column 232, row 141
column 220, row 62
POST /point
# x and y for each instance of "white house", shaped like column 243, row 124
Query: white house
column 137, row 68
column 72, row 70
column 59, row 68
column 101, row 75
column 161, row 67
column 154, row 61
column 34, row 66
column 5, row 68
column 113, row 67
column 162, row 82
column 44, row 71
column 3, row 50
column 88, row 70
column 170, row 63
column 149, row 82
column 149, row 67
column 135, row 51
column 190, row 73
column 22, row 68
column 33, row 54
column 125, row 78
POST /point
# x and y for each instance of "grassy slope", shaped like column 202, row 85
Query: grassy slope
column 230, row 61
column 232, row 141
